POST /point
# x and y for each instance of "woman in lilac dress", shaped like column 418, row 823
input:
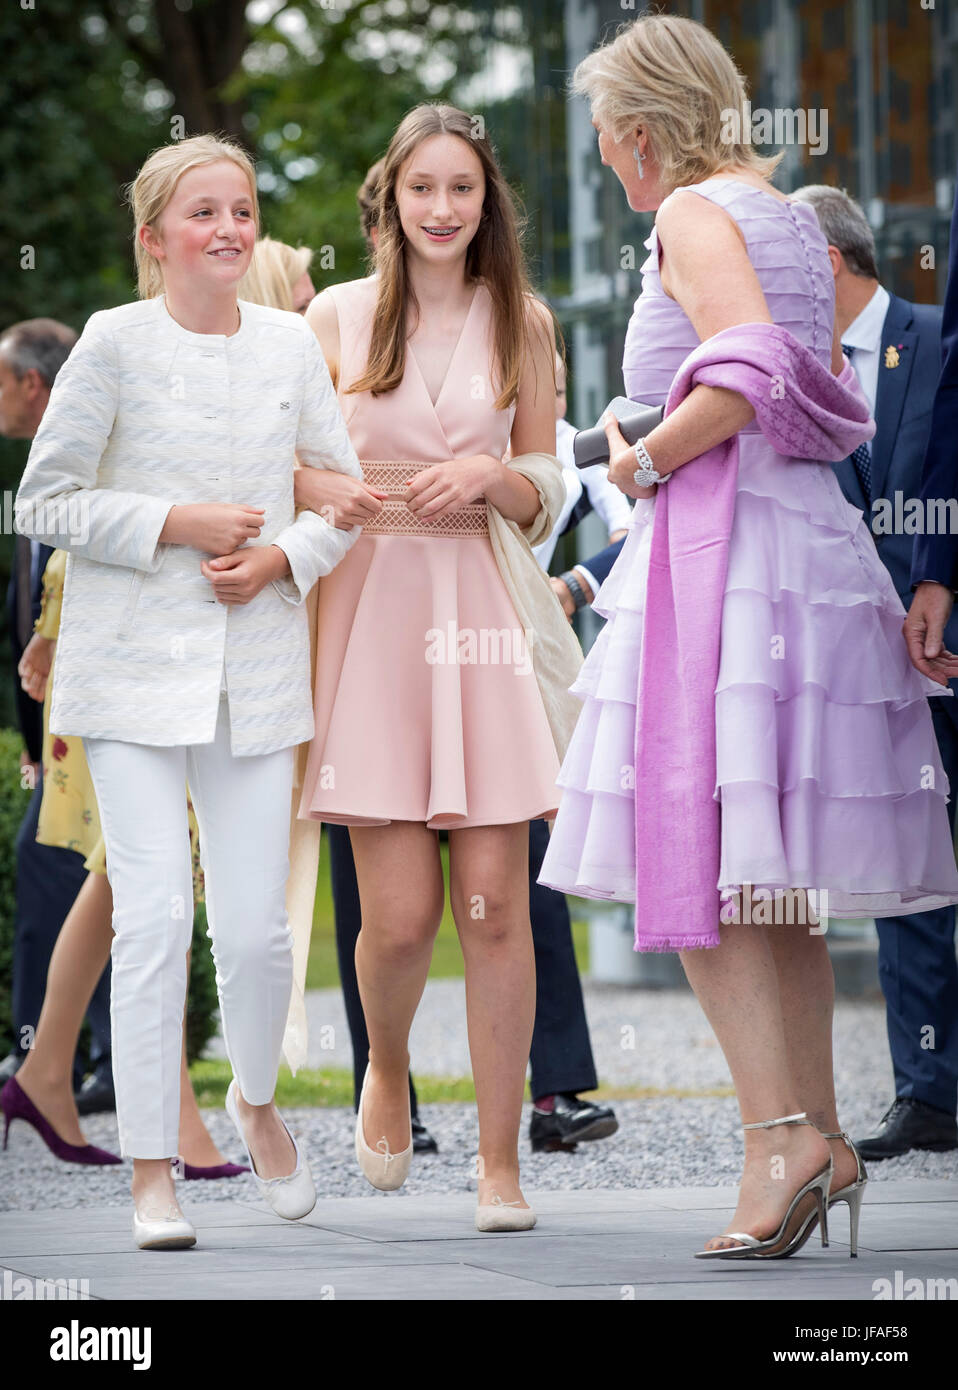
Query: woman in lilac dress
column 751, row 726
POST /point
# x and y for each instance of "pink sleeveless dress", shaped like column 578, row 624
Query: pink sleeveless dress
column 426, row 705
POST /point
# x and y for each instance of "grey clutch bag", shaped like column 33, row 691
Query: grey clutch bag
column 635, row 421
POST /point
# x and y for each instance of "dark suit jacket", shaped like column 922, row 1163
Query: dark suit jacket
column 936, row 557
column 29, row 711
column 903, row 418
column 599, row 565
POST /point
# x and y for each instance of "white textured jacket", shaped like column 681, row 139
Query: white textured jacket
column 145, row 415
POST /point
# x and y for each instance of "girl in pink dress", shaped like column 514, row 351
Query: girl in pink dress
column 428, row 711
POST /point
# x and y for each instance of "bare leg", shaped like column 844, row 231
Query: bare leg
column 78, row 960
column 490, row 901
column 737, row 986
column 401, row 895
column 807, row 990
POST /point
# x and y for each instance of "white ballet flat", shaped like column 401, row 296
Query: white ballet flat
column 169, row 1232
column 384, row 1170
column 498, row 1215
column 291, row 1196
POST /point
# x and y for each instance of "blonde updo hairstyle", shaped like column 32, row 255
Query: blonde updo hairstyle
column 672, row 77
column 273, row 271
column 151, row 190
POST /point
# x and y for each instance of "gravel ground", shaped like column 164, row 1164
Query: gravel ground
column 666, row 1141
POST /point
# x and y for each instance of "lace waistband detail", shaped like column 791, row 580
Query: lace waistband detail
column 396, row 519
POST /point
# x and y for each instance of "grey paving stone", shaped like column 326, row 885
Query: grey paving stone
column 118, row 1238
column 171, row 1266
column 614, row 1245
column 909, row 1226
column 392, row 1283
column 906, row 1190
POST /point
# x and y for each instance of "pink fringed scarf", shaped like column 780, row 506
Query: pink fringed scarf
column 805, row 413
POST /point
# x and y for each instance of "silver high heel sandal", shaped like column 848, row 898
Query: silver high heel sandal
column 754, row 1249
column 384, row 1170
column 852, row 1194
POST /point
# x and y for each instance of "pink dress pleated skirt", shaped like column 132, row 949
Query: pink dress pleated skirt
column 426, row 705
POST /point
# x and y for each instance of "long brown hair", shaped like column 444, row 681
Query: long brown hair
column 494, row 255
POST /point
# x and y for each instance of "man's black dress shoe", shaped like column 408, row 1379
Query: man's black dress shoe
column 10, row 1065
column 910, row 1124
column 95, row 1095
column 422, row 1140
column 571, row 1121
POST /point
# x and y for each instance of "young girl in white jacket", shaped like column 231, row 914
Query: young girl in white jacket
column 164, row 466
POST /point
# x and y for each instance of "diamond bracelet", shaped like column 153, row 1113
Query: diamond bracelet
column 645, row 475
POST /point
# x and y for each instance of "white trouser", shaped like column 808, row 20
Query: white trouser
column 242, row 809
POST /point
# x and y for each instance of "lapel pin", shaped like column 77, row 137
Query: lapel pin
column 892, row 358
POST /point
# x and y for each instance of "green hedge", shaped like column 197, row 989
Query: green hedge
column 202, row 1021
column 202, row 1014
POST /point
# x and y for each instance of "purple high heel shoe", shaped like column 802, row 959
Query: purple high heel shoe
column 217, row 1170
column 17, row 1105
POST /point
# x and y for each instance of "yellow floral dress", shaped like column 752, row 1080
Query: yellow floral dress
column 69, row 817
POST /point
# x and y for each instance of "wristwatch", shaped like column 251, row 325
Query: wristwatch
column 575, row 589
column 645, row 475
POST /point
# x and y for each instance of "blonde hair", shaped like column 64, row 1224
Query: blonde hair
column 273, row 271
column 672, row 77
column 154, row 186
column 494, row 256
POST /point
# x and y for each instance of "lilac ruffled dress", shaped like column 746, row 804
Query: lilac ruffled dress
column 827, row 769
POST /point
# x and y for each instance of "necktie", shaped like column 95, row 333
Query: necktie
column 862, row 457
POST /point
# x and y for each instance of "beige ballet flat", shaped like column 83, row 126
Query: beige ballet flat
column 498, row 1215
column 384, row 1170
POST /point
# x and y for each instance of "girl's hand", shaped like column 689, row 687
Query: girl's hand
column 33, row 667
column 340, row 500
column 239, row 577
column 219, row 528
column 622, row 460
column 444, row 488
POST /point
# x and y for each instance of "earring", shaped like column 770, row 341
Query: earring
column 639, row 160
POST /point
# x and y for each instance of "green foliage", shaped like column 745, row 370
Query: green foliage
column 202, row 1006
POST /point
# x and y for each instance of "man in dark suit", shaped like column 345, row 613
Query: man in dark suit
column 576, row 588
column 895, row 348
column 48, row 879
